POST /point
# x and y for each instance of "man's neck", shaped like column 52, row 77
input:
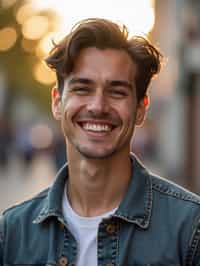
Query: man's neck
column 97, row 186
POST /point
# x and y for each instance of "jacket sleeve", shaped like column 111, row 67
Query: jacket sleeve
column 193, row 255
column 1, row 239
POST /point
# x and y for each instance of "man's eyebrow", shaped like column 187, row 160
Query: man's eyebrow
column 86, row 81
column 123, row 83
column 74, row 80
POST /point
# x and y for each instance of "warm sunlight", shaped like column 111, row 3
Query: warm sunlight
column 8, row 37
column 138, row 15
column 35, row 27
column 43, row 74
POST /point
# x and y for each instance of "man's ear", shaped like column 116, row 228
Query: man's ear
column 141, row 110
column 56, row 103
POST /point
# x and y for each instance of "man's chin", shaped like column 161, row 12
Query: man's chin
column 95, row 155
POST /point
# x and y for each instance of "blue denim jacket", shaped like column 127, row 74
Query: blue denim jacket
column 157, row 223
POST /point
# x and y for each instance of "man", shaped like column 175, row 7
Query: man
column 104, row 208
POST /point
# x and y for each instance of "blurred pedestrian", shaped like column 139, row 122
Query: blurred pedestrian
column 59, row 150
column 6, row 137
column 24, row 148
column 105, row 207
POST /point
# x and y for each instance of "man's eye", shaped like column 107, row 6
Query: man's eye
column 80, row 90
column 118, row 93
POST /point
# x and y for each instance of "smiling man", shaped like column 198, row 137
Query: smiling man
column 105, row 207
column 99, row 105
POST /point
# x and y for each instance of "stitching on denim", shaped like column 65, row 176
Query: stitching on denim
column 137, row 221
column 49, row 213
column 69, row 245
column 42, row 217
column 114, row 242
column 181, row 194
column 193, row 246
column 2, row 228
column 149, row 201
column 144, row 220
column 100, row 243
column 118, row 231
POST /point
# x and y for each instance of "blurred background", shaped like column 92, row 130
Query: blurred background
column 31, row 144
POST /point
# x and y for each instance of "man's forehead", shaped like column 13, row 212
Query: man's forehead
column 96, row 55
column 93, row 64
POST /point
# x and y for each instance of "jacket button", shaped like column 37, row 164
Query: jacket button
column 62, row 226
column 110, row 228
column 63, row 261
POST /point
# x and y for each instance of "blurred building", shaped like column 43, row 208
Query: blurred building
column 177, row 31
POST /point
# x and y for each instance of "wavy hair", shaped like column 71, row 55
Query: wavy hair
column 102, row 34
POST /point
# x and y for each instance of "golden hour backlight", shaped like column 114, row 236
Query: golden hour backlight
column 138, row 15
column 7, row 3
column 43, row 74
column 24, row 12
column 45, row 45
column 35, row 27
column 8, row 37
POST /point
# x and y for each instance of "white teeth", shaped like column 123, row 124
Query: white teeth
column 96, row 127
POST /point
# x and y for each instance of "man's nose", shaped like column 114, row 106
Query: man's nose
column 98, row 104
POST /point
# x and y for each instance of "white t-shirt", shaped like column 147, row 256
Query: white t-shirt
column 84, row 229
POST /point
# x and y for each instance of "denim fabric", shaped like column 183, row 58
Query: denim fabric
column 157, row 223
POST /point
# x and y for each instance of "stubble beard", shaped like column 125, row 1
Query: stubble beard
column 92, row 155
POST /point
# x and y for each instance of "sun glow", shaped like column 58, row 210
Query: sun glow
column 8, row 37
column 43, row 74
column 137, row 15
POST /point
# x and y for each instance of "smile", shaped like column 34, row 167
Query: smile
column 95, row 127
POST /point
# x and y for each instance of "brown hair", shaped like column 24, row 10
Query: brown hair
column 102, row 34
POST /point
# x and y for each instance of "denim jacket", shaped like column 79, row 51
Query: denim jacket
column 157, row 223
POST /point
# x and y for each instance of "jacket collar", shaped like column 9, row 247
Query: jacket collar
column 52, row 205
column 136, row 207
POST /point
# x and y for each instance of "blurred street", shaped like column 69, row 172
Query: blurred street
column 18, row 183
column 32, row 146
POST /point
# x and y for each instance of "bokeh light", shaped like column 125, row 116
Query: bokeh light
column 24, row 12
column 43, row 74
column 40, row 30
column 28, row 45
column 35, row 27
column 41, row 136
column 45, row 45
column 8, row 37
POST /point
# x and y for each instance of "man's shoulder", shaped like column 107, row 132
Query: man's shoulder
column 169, row 189
column 166, row 188
column 28, row 207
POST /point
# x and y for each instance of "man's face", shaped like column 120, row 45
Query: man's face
column 98, row 108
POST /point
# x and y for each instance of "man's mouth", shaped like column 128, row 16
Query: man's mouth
column 96, row 127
